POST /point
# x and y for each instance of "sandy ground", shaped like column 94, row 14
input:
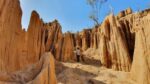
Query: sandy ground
column 78, row 73
column 90, row 72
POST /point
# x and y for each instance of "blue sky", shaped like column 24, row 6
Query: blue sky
column 73, row 15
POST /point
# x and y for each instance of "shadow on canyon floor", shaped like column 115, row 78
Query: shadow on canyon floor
column 92, row 61
column 67, row 73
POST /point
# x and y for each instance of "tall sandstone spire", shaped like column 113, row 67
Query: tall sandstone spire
column 20, row 49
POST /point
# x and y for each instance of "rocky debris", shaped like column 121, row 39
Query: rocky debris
column 121, row 14
column 92, row 57
column 124, row 13
column 128, row 11
column 43, row 72
column 144, row 12
column 141, row 60
column 71, row 73
column 70, row 77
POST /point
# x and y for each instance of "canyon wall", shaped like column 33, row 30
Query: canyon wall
column 122, row 41
column 20, row 49
column 116, row 43
column 12, row 44
column 113, row 45
column 124, row 44
column 140, row 71
column 42, row 72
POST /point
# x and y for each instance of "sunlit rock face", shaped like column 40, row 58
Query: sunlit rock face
column 34, row 38
column 124, row 13
column 113, row 45
column 42, row 72
column 68, row 42
column 141, row 60
column 68, row 47
column 129, row 36
column 20, row 49
column 12, row 37
column 121, row 43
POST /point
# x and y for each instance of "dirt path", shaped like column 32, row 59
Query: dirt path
column 90, row 72
column 79, row 73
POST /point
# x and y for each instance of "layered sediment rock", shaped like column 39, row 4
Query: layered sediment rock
column 68, row 47
column 133, row 29
column 113, row 45
column 124, row 13
column 68, row 42
column 12, row 37
column 42, row 72
column 20, row 49
column 34, row 38
column 117, row 41
column 120, row 40
column 43, row 37
column 78, row 40
column 94, row 38
column 85, row 36
column 141, row 61
column 53, row 35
